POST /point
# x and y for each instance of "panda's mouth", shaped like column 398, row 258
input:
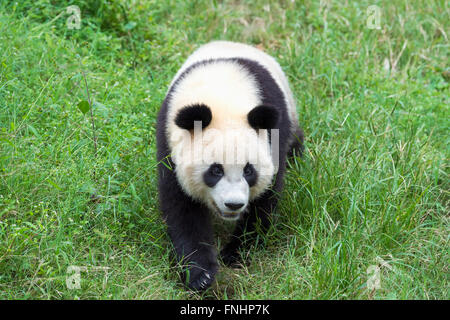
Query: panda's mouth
column 226, row 215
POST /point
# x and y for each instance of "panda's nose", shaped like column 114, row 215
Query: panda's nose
column 234, row 206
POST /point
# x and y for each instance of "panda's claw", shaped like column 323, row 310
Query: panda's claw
column 202, row 281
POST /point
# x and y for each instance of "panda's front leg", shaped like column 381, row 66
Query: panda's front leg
column 190, row 230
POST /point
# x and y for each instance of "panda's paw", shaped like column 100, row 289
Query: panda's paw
column 202, row 280
column 231, row 258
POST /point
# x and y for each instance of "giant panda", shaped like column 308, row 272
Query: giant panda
column 224, row 92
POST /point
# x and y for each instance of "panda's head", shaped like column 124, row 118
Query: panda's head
column 228, row 163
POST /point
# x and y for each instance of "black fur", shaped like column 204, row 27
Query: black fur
column 188, row 222
column 185, row 117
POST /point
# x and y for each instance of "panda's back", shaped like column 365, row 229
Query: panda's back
column 217, row 50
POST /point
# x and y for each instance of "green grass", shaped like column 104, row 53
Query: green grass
column 372, row 188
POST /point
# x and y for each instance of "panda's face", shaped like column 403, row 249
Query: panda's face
column 223, row 160
column 226, row 186
column 228, row 190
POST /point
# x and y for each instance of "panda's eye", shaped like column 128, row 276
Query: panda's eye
column 248, row 170
column 216, row 170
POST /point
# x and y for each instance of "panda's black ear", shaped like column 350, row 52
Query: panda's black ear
column 263, row 117
column 198, row 112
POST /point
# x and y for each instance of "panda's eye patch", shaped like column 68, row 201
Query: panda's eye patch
column 216, row 170
column 248, row 170
column 213, row 175
column 250, row 174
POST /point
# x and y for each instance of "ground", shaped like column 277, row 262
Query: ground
column 364, row 214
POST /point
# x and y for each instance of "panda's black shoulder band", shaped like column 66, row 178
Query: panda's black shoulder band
column 197, row 112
